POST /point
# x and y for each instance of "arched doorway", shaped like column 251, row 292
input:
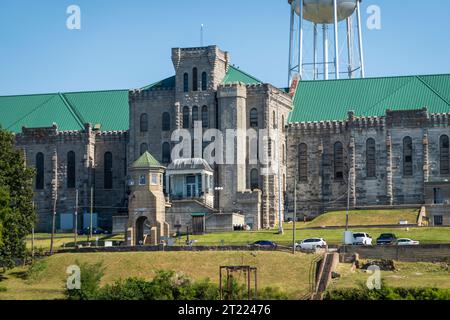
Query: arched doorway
column 142, row 230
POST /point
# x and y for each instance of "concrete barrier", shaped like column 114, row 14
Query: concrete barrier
column 422, row 253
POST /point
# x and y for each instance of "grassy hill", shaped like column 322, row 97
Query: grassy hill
column 364, row 217
column 290, row 275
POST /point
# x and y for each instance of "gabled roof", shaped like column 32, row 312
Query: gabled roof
column 236, row 75
column 332, row 99
column 70, row 111
column 189, row 164
column 146, row 161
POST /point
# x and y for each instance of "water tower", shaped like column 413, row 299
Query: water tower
column 307, row 18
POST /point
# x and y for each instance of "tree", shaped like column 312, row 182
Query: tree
column 17, row 215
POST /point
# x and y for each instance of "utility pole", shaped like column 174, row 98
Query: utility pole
column 295, row 216
column 278, row 146
column 53, row 222
column 76, row 219
column 92, row 212
column 32, row 239
column 348, row 200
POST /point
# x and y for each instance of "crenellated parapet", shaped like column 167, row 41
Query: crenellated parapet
column 138, row 95
column 440, row 119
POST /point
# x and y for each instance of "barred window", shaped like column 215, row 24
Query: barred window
column 186, row 118
column 303, row 162
column 407, row 157
column 144, row 122
column 254, row 179
column 166, row 158
column 40, row 170
column 71, row 167
column 338, row 161
column 254, row 118
column 194, row 115
column 144, row 148
column 108, row 173
column 204, row 81
column 371, row 163
column 194, row 79
column 444, row 155
column 205, row 117
column 186, row 82
column 166, row 121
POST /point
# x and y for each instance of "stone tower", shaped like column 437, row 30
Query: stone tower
column 147, row 205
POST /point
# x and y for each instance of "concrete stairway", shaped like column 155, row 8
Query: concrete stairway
column 327, row 267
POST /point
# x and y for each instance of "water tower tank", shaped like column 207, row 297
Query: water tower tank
column 322, row 11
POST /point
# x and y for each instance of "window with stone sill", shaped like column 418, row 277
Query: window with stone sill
column 338, row 161
column 407, row 157
column 142, row 180
column 154, row 180
column 40, row 171
column 371, row 158
column 444, row 151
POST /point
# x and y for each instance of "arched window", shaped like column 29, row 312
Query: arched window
column 144, row 122
column 254, row 179
column 407, row 157
column 274, row 120
column 186, row 118
column 283, row 128
column 166, row 121
column 444, row 155
column 254, row 118
column 108, row 173
column 144, row 148
column 186, row 82
column 303, row 162
column 40, row 171
column 194, row 79
column 204, row 81
column 205, row 117
column 71, row 170
column 194, row 115
column 338, row 161
column 371, row 162
column 283, row 154
column 166, row 158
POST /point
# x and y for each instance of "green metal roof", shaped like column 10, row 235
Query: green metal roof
column 146, row 161
column 168, row 83
column 236, row 75
column 332, row 99
column 70, row 111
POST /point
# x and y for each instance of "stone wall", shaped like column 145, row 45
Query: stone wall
column 390, row 186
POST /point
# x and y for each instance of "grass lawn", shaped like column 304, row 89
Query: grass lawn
column 334, row 236
column 364, row 217
column 275, row 269
column 62, row 240
column 408, row 274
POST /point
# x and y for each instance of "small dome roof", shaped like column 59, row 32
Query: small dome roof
column 190, row 164
column 146, row 161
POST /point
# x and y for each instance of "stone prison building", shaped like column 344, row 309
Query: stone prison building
column 385, row 140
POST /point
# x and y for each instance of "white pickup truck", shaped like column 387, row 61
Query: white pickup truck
column 362, row 238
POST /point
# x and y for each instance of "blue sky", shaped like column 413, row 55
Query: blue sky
column 126, row 44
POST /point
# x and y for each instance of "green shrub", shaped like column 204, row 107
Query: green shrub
column 3, row 289
column 388, row 293
column 91, row 275
column 36, row 269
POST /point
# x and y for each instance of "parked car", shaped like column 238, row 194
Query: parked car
column 407, row 242
column 311, row 244
column 386, row 239
column 263, row 244
column 96, row 230
column 362, row 238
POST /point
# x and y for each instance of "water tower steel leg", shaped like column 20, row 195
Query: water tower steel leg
column 315, row 52
column 361, row 51
column 325, row 51
column 350, row 47
column 291, row 41
column 336, row 39
column 300, row 56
